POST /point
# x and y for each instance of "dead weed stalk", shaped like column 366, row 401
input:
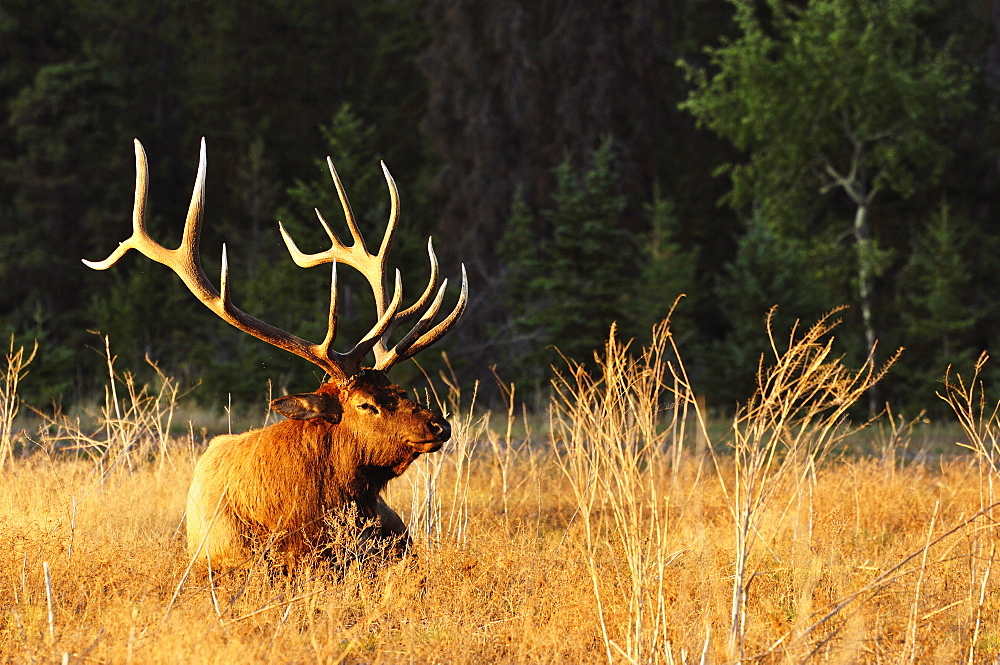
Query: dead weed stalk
column 798, row 412
column 10, row 402
column 607, row 436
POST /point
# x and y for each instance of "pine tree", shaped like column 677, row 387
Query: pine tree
column 667, row 271
column 770, row 270
column 939, row 312
column 572, row 268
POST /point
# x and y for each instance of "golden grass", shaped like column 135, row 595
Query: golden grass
column 614, row 534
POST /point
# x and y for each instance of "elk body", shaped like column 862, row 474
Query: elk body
column 277, row 487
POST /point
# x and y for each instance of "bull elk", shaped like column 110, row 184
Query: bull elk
column 277, row 486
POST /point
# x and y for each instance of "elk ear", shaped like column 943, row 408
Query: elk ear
column 306, row 406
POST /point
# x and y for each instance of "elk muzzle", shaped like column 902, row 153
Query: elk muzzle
column 439, row 431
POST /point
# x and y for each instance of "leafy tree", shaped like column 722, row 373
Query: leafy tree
column 468, row 103
column 832, row 95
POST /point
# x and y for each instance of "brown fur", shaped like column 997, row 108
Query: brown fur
column 278, row 485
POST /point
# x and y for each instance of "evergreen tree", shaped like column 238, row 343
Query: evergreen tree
column 667, row 271
column 572, row 268
column 350, row 143
column 468, row 103
column 514, row 86
column 770, row 270
column 940, row 313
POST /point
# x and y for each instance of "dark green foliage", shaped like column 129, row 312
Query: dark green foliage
column 770, row 270
column 571, row 273
column 667, row 272
column 936, row 286
column 258, row 79
column 941, row 315
column 514, row 87
column 836, row 94
column 46, row 190
column 53, row 371
column 488, row 115
column 832, row 95
column 297, row 299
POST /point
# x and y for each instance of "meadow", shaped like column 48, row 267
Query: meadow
column 622, row 525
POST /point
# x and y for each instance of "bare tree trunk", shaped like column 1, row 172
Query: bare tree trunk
column 865, row 251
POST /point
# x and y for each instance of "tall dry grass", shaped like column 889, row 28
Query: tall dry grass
column 10, row 403
column 780, row 437
column 612, row 529
column 608, row 437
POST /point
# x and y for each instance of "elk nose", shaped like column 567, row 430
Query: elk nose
column 440, row 429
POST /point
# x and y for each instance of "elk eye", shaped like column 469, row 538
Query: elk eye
column 370, row 408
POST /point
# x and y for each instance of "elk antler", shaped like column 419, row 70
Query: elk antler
column 186, row 262
column 372, row 267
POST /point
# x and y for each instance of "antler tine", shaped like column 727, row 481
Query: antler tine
column 438, row 331
column 355, row 356
column 432, row 285
column 304, row 260
column 390, row 228
column 385, row 358
column 331, row 326
column 139, row 240
column 352, row 224
column 224, row 294
column 191, row 238
column 373, row 267
column 416, row 340
column 185, row 261
column 350, row 362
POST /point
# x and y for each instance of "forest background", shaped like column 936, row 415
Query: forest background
column 588, row 162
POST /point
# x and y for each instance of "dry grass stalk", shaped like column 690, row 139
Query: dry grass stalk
column 10, row 402
column 979, row 418
column 796, row 415
column 505, row 448
column 133, row 424
column 607, row 435
column 980, row 422
column 440, row 514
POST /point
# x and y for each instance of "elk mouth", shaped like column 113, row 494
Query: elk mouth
column 431, row 446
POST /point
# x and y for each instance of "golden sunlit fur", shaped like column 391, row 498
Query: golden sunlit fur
column 276, row 487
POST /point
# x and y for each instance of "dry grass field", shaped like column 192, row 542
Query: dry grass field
column 619, row 527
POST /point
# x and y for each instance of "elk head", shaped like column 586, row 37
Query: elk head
column 370, row 409
column 353, row 395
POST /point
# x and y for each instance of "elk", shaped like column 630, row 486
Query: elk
column 276, row 488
